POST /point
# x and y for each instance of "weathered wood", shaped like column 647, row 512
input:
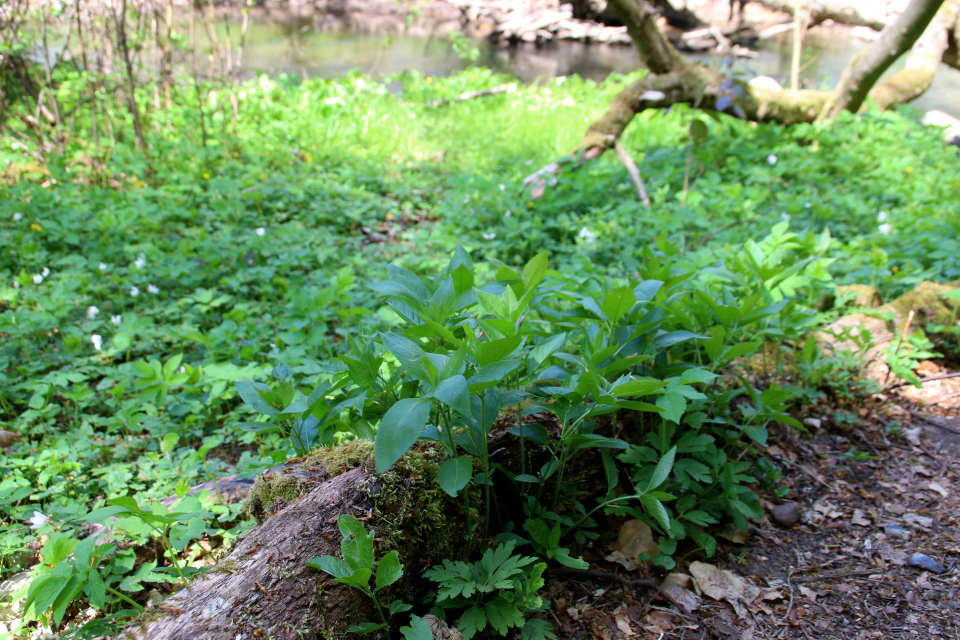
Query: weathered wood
column 263, row 585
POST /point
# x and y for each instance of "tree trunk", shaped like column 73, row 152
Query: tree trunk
column 674, row 80
column 895, row 40
column 263, row 588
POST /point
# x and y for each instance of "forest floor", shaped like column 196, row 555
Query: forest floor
column 870, row 496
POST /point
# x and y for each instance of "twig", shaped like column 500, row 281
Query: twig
column 836, row 576
column 649, row 583
column 933, row 421
column 470, row 95
column 711, row 235
column 634, row 172
column 903, row 383
column 790, row 606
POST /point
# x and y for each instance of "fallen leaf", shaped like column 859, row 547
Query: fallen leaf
column 678, row 586
column 936, row 486
column 892, row 555
column 8, row 437
column 635, row 537
column 723, row 585
column 859, row 518
column 733, row 533
column 623, row 620
column 808, row 593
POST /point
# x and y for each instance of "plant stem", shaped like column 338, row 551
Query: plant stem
column 124, row 598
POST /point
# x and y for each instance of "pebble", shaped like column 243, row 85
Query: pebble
column 896, row 531
column 786, row 515
column 925, row 562
column 813, row 423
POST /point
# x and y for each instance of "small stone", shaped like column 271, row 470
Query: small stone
column 813, row 423
column 897, row 531
column 786, row 515
column 925, row 562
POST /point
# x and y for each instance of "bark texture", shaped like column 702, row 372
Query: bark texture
column 897, row 38
column 263, row 588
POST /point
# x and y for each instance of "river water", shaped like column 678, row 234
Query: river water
column 283, row 46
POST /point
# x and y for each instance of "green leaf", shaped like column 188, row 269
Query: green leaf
column 636, row 388
column 502, row 615
column 399, row 429
column 399, row 607
column 492, row 375
column 657, row 510
column 454, row 474
column 389, row 570
column 454, row 393
column 418, row 630
column 738, row 350
column 493, row 351
column 471, row 621
column 366, row 627
column 330, row 564
column 673, row 405
column 411, row 356
column 95, row 590
column 535, row 270
column 563, row 557
column 43, row 595
column 537, row 629
column 359, row 579
column 617, row 302
column 662, row 470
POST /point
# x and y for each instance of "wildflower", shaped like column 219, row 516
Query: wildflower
column 102, row 266
column 909, row 169
column 882, row 216
column 489, row 236
column 45, row 272
column 503, row 187
column 206, row 176
column 140, row 263
column 35, row 227
column 17, row 216
column 807, row 205
column 97, row 341
column 38, row 520
column 507, row 214
column 261, row 231
column 16, row 285
column 37, row 278
column 772, row 159
column 92, row 312
column 885, row 229
column 587, row 235
column 134, row 292
column 152, row 289
column 236, row 154
column 895, row 268
column 183, row 369
column 116, row 320
column 785, row 217
column 429, row 79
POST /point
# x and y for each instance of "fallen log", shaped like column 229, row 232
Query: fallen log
column 263, row 587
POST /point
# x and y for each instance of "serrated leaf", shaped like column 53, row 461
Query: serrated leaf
column 662, row 471
column 330, row 564
column 471, row 621
column 502, row 615
column 418, row 630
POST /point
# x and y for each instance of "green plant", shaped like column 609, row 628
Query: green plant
column 356, row 568
column 496, row 591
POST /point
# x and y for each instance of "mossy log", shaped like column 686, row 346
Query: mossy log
column 263, row 588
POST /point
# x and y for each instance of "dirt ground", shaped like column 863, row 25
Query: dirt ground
column 871, row 495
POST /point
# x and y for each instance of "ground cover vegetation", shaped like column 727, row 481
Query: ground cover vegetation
column 343, row 260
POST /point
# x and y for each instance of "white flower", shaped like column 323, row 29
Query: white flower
column 17, row 216
column 116, row 320
column 503, row 187
column 134, row 292
column 97, row 341
column 882, row 216
column 140, row 263
column 38, row 520
column 261, row 231
column 152, row 289
column 92, row 312
column 273, row 346
column 785, row 217
column 587, row 235
column 807, row 205
column 885, row 229
column 16, row 285
column 102, row 266
column 772, row 159
column 183, row 369
column 507, row 214
column 37, row 278
column 45, row 272
column 489, row 236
